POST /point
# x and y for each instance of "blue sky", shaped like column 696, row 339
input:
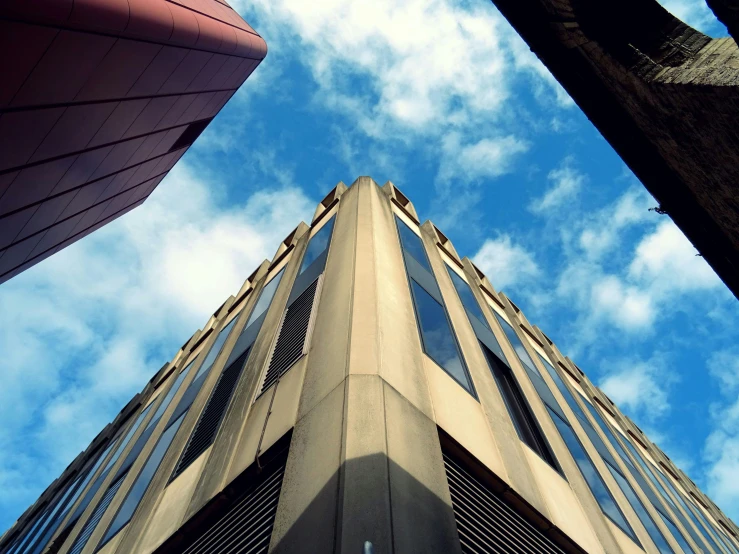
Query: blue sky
column 444, row 99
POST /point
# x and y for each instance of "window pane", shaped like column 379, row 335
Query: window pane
column 437, row 337
column 125, row 441
column 467, row 296
column 564, row 390
column 214, row 350
column 641, row 512
column 412, row 244
column 591, row 475
column 676, row 533
column 516, row 343
column 142, row 481
column 611, row 437
column 317, row 244
column 170, row 394
column 265, row 298
column 709, row 540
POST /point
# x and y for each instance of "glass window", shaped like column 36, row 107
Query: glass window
column 609, row 435
column 519, row 410
column 437, row 336
column 170, row 394
column 654, row 532
column 126, row 439
column 676, row 533
column 516, row 343
column 53, row 519
column 412, row 244
column 467, row 297
column 265, row 298
column 317, row 245
column 709, row 540
column 591, row 475
column 142, row 481
column 214, row 350
column 564, row 390
column 727, row 541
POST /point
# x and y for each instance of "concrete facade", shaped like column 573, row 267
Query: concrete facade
column 664, row 96
column 366, row 423
column 98, row 100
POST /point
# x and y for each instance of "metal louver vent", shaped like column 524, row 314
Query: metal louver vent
column 293, row 332
column 246, row 526
column 485, row 523
column 210, row 419
column 84, row 536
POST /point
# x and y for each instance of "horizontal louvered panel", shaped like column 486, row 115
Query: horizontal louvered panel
column 485, row 522
column 293, row 332
column 246, row 526
column 89, row 527
column 207, row 426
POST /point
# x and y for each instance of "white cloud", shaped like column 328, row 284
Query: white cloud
column 414, row 72
column 85, row 329
column 567, row 183
column 485, row 158
column 721, row 451
column 626, row 306
column 639, row 387
column 666, row 262
column 603, row 232
column 506, row 264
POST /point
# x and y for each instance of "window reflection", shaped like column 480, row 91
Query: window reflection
column 438, row 341
column 638, row 507
column 467, row 296
column 412, row 244
column 317, row 244
column 265, row 298
column 594, row 480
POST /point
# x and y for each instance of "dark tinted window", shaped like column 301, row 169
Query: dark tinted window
column 317, row 244
column 591, row 475
column 265, row 297
column 412, row 244
column 641, row 512
column 518, row 408
column 142, row 481
column 467, row 297
column 437, row 336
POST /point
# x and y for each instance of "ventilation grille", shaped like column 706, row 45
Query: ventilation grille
column 291, row 341
column 485, row 523
column 210, row 420
column 245, row 527
column 89, row 527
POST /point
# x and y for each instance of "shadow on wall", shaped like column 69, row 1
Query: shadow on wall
column 336, row 523
column 370, row 499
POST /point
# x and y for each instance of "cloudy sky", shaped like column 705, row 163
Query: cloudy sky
column 445, row 100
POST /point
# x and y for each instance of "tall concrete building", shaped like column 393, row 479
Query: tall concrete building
column 664, row 95
column 368, row 390
column 98, row 100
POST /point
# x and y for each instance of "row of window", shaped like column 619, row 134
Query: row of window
column 37, row 537
column 440, row 344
